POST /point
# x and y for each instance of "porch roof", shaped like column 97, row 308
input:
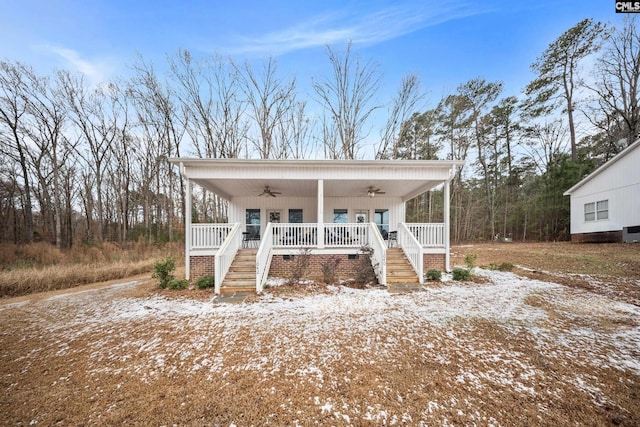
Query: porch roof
column 298, row 178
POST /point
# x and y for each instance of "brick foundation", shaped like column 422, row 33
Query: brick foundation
column 601, row 237
column 433, row 262
column 284, row 265
column 201, row 265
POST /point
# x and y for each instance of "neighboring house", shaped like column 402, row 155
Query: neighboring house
column 329, row 209
column 605, row 206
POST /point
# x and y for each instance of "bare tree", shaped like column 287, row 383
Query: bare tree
column 543, row 143
column 348, row 97
column 617, row 88
column 13, row 105
column 96, row 114
column 47, row 115
column 208, row 90
column 479, row 94
column 403, row 105
column 270, row 103
column 295, row 133
column 161, row 119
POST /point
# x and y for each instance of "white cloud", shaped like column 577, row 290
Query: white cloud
column 94, row 71
column 370, row 28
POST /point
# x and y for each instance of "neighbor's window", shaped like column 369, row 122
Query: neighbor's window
column 596, row 210
column 589, row 211
column 602, row 209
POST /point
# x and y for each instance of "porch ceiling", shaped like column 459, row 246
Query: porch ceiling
column 229, row 188
column 231, row 178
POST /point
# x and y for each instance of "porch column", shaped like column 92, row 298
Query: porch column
column 320, row 204
column 447, row 225
column 187, row 231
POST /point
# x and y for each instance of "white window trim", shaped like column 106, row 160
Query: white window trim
column 595, row 211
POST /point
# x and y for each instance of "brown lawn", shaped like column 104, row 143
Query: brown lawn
column 556, row 342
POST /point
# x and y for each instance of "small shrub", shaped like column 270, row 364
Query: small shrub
column 205, row 282
column 300, row 265
column 505, row 266
column 434, row 275
column 461, row 274
column 163, row 271
column 470, row 260
column 177, row 284
column 366, row 269
column 329, row 268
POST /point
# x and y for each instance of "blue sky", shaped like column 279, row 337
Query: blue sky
column 445, row 42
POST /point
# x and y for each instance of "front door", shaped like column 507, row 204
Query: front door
column 382, row 221
column 253, row 223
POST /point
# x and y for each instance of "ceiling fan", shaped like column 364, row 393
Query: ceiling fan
column 268, row 192
column 372, row 191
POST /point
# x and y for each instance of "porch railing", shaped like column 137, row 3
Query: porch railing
column 429, row 234
column 225, row 255
column 263, row 257
column 294, row 235
column 209, row 236
column 347, row 235
column 379, row 256
column 412, row 249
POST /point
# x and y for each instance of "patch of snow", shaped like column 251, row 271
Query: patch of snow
column 326, row 408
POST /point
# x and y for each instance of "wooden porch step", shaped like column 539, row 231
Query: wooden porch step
column 234, row 289
column 399, row 269
column 241, row 276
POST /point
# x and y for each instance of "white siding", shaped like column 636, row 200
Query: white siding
column 620, row 185
column 353, row 204
column 238, row 205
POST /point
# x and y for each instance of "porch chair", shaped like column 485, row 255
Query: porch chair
column 392, row 239
column 250, row 240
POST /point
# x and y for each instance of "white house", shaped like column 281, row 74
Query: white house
column 329, row 208
column 605, row 205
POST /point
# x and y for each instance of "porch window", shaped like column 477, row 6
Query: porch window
column 596, row 211
column 253, row 222
column 295, row 216
column 340, row 216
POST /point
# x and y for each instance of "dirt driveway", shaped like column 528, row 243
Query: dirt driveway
column 508, row 349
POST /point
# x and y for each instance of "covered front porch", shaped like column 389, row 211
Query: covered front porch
column 280, row 208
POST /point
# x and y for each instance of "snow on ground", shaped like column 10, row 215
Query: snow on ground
column 303, row 336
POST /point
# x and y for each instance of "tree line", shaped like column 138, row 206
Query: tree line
column 88, row 162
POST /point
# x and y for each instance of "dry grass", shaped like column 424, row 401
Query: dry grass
column 41, row 267
column 610, row 259
column 611, row 269
column 551, row 355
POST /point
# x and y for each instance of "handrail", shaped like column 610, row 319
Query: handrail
column 428, row 234
column 379, row 255
column 346, row 235
column 225, row 255
column 294, row 235
column 263, row 257
column 209, row 235
column 412, row 249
